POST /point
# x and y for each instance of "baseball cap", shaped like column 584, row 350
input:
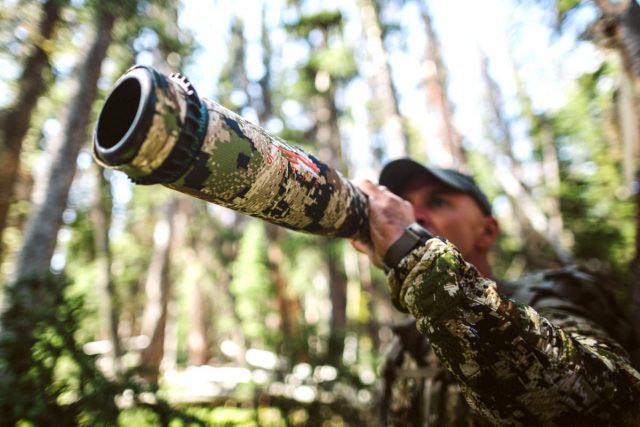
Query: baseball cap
column 397, row 173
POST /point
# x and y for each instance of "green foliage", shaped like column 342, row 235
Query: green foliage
column 307, row 23
column 171, row 40
column 81, row 248
column 508, row 245
column 565, row 7
column 44, row 373
column 251, row 285
column 595, row 202
column 338, row 61
column 302, row 258
column 140, row 417
column 14, row 18
column 282, row 412
column 241, row 417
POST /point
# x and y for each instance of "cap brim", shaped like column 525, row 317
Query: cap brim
column 397, row 173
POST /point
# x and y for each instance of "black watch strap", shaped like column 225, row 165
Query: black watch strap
column 414, row 235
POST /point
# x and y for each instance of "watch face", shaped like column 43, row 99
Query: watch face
column 419, row 231
column 408, row 241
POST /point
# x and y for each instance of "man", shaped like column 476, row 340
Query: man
column 552, row 355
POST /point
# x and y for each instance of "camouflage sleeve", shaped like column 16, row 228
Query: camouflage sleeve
column 515, row 366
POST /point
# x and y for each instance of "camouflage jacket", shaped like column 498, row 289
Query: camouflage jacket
column 495, row 361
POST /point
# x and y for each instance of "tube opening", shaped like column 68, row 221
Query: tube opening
column 126, row 117
column 119, row 113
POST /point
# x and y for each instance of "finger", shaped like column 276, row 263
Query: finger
column 360, row 246
column 368, row 187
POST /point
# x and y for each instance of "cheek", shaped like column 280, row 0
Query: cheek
column 449, row 227
column 458, row 230
column 452, row 221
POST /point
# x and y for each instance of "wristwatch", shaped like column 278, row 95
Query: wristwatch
column 414, row 235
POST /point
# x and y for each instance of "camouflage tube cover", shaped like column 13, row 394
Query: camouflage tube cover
column 158, row 131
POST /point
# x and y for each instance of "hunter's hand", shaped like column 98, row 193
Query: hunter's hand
column 389, row 215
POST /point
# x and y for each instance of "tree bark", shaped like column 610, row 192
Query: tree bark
column 229, row 310
column 265, row 111
column 197, row 340
column 288, row 306
column 358, row 270
column 619, row 29
column 551, row 169
column 627, row 112
column 437, row 96
column 630, row 53
column 338, row 297
column 157, row 291
column 100, row 217
column 635, row 269
column 327, row 135
column 547, row 225
column 502, row 131
column 199, row 300
column 329, row 150
column 45, row 219
column 217, row 250
column 631, row 38
column 386, row 114
column 15, row 120
column 546, row 141
column 530, row 211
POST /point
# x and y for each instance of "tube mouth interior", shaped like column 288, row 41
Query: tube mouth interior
column 125, row 118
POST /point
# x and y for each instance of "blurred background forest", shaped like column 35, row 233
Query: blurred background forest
column 129, row 305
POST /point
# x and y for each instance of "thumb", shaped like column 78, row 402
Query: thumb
column 368, row 250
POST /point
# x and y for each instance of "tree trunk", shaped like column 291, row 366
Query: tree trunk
column 217, row 250
column 288, row 306
column 546, row 141
column 548, row 226
column 177, row 242
column 266, row 110
column 157, row 291
column 628, row 111
column 501, row 133
column 635, row 269
column 630, row 53
column 385, row 114
column 530, row 211
column 197, row 340
column 15, row 120
column 100, row 217
column 46, row 217
column 551, row 169
column 438, row 98
column 619, row 29
column 330, row 151
column 229, row 310
column 631, row 41
column 358, row 270
column 338, row 297
column 199, row 301
column 169, row 359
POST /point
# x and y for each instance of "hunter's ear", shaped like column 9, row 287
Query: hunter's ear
column 489, row 233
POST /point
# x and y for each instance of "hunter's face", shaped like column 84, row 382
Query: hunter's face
column 451, row 214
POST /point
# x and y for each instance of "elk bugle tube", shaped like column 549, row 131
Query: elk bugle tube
column 157, row 130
